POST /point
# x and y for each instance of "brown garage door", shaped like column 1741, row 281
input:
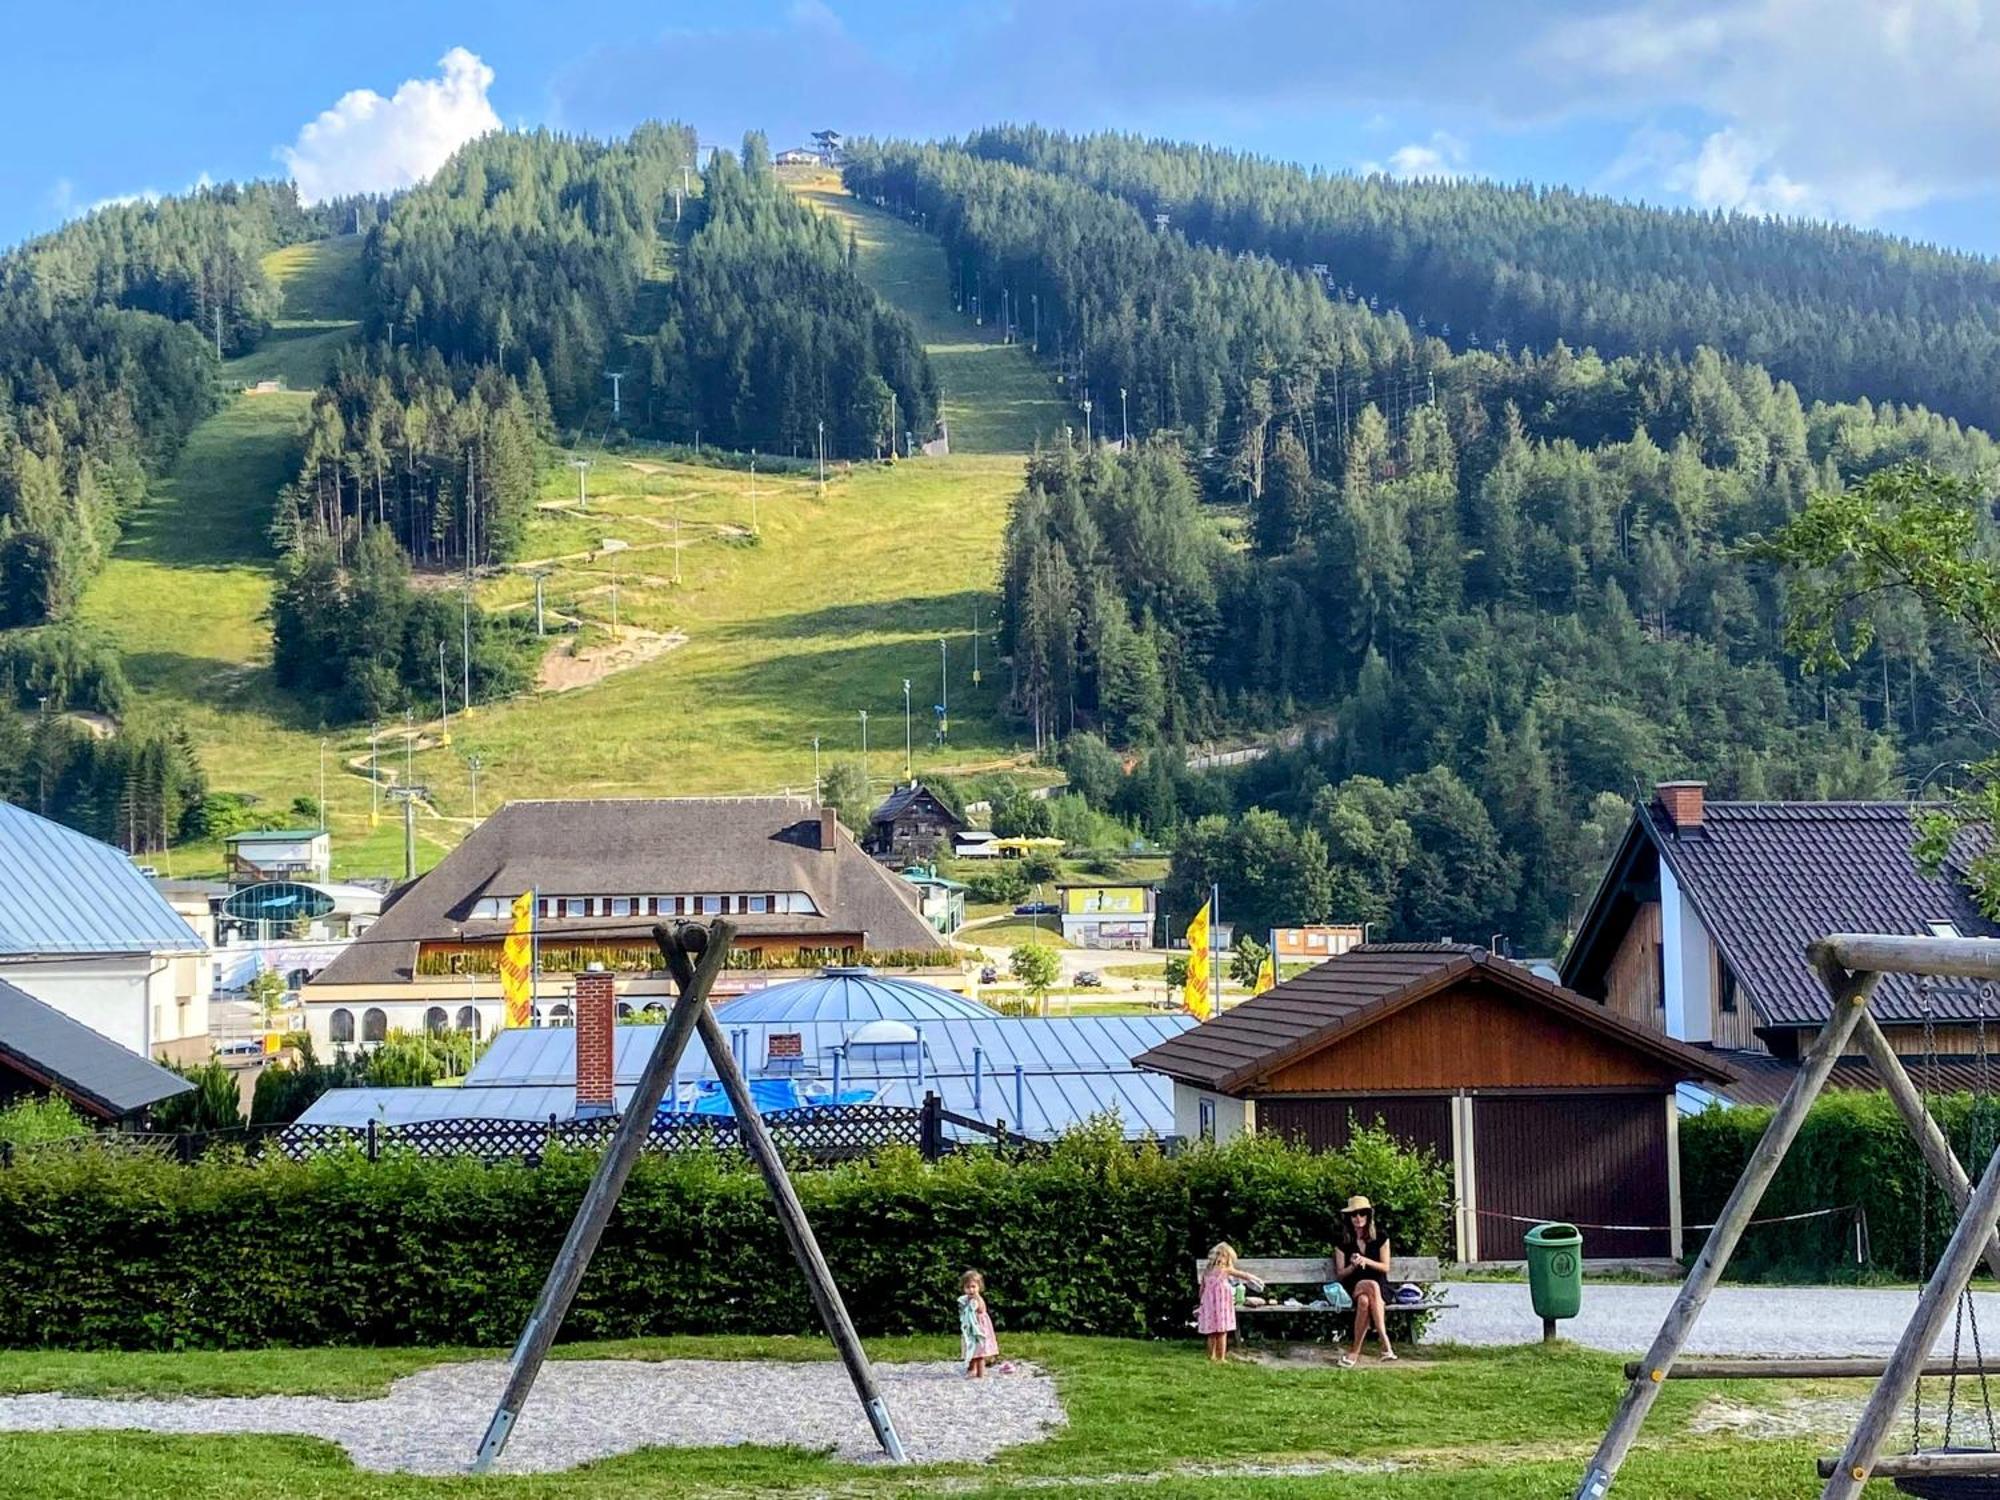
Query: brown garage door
column 1588, row 1158
column 1327, row 1124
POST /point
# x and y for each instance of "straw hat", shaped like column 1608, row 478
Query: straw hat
column 1357, row 1205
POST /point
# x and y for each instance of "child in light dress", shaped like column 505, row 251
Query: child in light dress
column 1216, row 1317
column 976, row 1342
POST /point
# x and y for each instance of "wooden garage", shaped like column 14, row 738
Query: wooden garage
column 1544, row 1104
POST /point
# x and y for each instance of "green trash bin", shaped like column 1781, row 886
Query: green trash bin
column 1555, row 1273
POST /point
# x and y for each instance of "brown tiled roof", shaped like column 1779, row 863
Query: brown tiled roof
column 1768, row 878
column 641, row 846
column 1761, row 1079
column 1361, row 986
column 906, row 796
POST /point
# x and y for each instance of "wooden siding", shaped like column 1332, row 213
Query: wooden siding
column 1589, row 1159
column 1326, row 1124
column 1734, row 1030
column 1632, row 979
column 1466, row 1037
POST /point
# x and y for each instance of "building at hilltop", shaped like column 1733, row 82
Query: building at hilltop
column 798, row 889
column 913, row 823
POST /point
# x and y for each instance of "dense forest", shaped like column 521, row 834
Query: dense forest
column 1838, row 312
column 1495, row 588
column 733, row 313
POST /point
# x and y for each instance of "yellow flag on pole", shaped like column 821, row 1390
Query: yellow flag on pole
column 1267, row 974
column 517, row 965
column 1200, row 1000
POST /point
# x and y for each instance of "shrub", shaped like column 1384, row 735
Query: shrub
column 30, row 1122
column 1091, row 1237
column 1852, row 1149
column 215, row 1104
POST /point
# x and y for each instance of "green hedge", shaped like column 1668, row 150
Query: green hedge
column 113, row 1250
column 1853, row 1148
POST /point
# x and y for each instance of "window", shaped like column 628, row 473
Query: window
column 621, row 906
column 562, row 906
column 652, row 906
column 1944, row 929
column 340, row 1025
column 711, row 906
column 624, row 1010
column 760, row 904
column 468, row 1019
column 680, row 906
column 1726, row 999
column 1206, row 1115
column 542, row 906
column 559, row 1015
column 298, row 979
column 435, row 1020
column 374, row 1024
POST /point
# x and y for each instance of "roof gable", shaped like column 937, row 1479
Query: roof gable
column 1341, row 997
column 1769, row 878
column 914, row 797
column 64, row 892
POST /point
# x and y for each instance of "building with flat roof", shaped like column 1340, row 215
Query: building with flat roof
column 1111, row 914
column 279, row 854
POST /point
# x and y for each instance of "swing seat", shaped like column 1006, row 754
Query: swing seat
column 1953, row 1486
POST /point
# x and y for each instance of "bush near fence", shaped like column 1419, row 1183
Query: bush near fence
column 110, row 1250
column 1852, row 1149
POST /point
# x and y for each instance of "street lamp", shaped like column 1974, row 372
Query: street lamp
column 1124, row 422
column 908, row 773
column 1086, row 421
column 864, row 749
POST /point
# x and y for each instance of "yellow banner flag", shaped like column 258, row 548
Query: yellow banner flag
column 1200, row 999
column 1267, row 974
column 517, row 965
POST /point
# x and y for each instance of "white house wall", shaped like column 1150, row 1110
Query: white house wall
column 1233, row 1117
column 1687, row 967
column 121, row 997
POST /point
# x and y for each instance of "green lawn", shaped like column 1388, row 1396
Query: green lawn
column 1142, row 1416
column 996, row 398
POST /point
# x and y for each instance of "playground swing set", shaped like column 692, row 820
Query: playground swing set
column 1850, row 966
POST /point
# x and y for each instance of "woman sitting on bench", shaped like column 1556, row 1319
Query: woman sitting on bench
column 1361, row 1263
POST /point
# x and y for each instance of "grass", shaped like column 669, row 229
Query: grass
column 996, row 398
column 1003, row 936
column 1143, row 1416
column 791, row 616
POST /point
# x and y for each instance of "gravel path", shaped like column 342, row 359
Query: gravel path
column 1739, row 1320
column 431, row 1422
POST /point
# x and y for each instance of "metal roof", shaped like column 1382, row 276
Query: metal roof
column 1071, row 1068
column 102, row 1077
column 64, row 892
column 851, row 995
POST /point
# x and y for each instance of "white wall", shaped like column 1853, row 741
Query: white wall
column 115, row 996
column 1232, row 1116
column 404, row 1016
column 1686, row 967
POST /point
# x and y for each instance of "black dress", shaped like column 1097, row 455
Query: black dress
column 1372, row 1249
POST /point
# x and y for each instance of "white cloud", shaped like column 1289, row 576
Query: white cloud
column 1441, row 158
column 368, row 144
column 1847, row 108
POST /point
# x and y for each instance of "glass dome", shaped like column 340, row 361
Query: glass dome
column 851, row 995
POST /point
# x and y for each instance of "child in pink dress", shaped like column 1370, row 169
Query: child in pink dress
column 976, row 1341
column 1216, row 1317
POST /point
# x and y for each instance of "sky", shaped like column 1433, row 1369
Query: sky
column 1879, row 113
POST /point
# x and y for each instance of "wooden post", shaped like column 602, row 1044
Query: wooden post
column 559, row 1290
column 1802, row 1369
column 792, row 1214
column 1909, row 1102
column 1934, row 1309
column 1909, row 1465
column 1850, row 999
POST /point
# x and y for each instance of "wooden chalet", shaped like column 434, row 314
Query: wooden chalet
column 1544, row 1105
column 913, row 824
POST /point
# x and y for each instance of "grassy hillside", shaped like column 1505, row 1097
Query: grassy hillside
column 996, row 399
column 774, row 633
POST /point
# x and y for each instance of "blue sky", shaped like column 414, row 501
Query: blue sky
column 1875, row 112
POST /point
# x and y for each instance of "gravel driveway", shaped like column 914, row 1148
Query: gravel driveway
column 1738, row 1320
column 431, row 1422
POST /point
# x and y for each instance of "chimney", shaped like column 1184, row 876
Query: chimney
column 596, row 1003
column 827, row 833
column 1681, row 802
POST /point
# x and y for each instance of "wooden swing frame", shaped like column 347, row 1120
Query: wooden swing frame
column 1850, row 965
column 694, row 955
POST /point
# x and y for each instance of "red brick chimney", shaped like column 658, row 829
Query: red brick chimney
column 596, row 1002
column 829, row 835
column 1681, row 802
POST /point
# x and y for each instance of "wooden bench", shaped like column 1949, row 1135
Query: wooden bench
column 1314, row 1272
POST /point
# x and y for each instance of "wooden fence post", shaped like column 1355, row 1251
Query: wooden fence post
column 930, row 1129
column 374, row 1142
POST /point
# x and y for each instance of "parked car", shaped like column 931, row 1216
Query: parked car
column 1088, row 979
column 989, row 975
column 1037, row 909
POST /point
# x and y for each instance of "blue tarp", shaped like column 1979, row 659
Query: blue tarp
column 769, row 1095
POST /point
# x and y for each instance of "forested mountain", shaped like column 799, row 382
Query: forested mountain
column 733, row 314
column 1838, row 312
column 1514, row 583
